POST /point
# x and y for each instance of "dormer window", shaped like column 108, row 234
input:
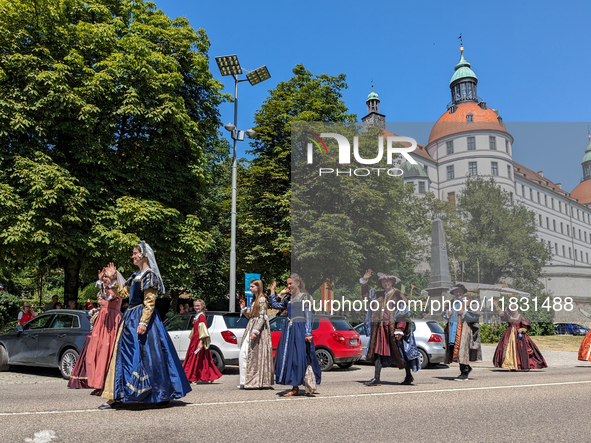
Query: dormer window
column 470, row 118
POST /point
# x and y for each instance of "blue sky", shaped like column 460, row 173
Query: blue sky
column 532, row 59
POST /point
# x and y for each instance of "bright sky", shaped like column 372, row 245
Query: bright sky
column 532, row 60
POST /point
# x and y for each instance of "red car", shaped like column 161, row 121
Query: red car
column 335, row 340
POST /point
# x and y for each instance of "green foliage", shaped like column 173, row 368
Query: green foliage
column 264, row 219
column 107, row 116
column 10, row 306
column 491, row 333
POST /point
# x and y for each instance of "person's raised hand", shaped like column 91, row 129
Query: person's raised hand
column 111, row 271
column 367, row 274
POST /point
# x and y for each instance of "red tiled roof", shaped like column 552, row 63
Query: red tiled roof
column 582, row 192
column 457, row 122
column 535, row 177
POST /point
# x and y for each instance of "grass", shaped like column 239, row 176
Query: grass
column 555, row 342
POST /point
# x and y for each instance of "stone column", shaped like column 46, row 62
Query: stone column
column 440, row 280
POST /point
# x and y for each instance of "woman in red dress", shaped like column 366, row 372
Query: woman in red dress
column 515, row 349
column 198, row 364
column 104, row 333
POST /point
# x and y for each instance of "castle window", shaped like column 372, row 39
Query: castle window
column 538, row 196
column 562, row 228
column 559, row 206
column 567, row 229
column 450, row 147
column 556, row 248
column 587, row 256
column 421, row 187
column 507, row 146
column 492, row 143
column 546, row 200
column 552, row 200
column 472, row 169
column 451, row 197
column 563, row 251
column 554, row 224
column 540, row 219
column 531, row 194
column 470, row 118
column 523, row 191
column 570, row 253
column 450, row 172
column 494, row 168
column 471, row 144
column 548, row 222
column 509, row 171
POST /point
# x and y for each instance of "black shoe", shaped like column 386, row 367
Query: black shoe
column 408, row 381
column 373, row 382
column 461, row 377
column 469, row 370
column 110, row 406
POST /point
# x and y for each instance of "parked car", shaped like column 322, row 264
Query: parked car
column 1, row 287
column 334, row 338
column 53, row 339
column 225, row 329
column 570, row 328
column 429, row 337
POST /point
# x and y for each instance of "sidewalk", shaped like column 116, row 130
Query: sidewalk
column 553, row 358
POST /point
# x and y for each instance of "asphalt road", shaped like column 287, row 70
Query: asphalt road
column 495, row 405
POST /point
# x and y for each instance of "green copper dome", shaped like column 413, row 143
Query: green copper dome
column 463, row 70
column 412, row 171
column 587, row 157
column 372, row 96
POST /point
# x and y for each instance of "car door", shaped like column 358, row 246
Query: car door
column 177, row 328
column 52, row 338
column 27, row 343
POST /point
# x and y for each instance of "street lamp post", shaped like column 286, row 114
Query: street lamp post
column 229, row 65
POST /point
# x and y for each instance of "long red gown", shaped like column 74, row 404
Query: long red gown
column 517, row 353
column 102, row 342
column 200, row 366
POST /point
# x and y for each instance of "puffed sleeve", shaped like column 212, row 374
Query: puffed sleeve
column 204, row 334
column 260, row 321
column 276, row 304
column 151, row 280
column 150, row 295
column 120, row 291
column 308, row 317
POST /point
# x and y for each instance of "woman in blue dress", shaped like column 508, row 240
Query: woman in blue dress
column 144, row 367
column 296, row 350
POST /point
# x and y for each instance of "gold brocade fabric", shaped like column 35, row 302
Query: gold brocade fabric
column 150, row 295
column 109, row 387
column 259, row 360
column 204, row 335
column 510, row 360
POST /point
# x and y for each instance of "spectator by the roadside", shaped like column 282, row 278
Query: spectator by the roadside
column 26, row 314
column 58, row 305
column 72, row 304
column 51, row 305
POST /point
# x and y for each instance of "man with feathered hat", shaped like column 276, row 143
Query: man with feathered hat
column 392, row 342
column 462, row 333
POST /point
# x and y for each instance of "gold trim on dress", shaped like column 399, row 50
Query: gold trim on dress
column 109, row 388
column 139, row 391
column 145, row 377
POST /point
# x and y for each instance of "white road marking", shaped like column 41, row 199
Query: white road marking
column 42, row 437
column 328, row 397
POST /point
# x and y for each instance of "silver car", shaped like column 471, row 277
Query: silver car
column 428, row 335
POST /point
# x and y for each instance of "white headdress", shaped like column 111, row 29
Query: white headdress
column 382, row 276
column 147, row 251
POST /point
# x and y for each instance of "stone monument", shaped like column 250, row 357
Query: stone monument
column 440, row 280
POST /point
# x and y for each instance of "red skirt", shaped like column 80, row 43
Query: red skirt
column 200, row 366
column 78, row 378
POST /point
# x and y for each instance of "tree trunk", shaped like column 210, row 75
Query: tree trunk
column 71, row 279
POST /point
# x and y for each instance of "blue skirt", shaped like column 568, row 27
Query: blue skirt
column 293, row 356
column 147, row 368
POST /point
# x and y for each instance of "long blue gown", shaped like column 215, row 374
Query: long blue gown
column 160, row 376
column 293, row 353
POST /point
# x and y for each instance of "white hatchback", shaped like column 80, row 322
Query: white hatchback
column 225, row 329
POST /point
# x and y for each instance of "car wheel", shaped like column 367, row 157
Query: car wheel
column 423, row 359
column 217, row 360
column 324, row 359
column 3, row 359
column 345, row 365
column 67, row 363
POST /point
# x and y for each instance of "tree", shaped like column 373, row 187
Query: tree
column 117, row 98
column 499, row 237
column 264, row 220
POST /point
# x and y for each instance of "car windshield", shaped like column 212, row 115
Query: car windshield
column 178, row 323
column 277, row 324
column 360, row 328
column 435, row 328
column 340, row 325
column 39, row 323
column 235, row 322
